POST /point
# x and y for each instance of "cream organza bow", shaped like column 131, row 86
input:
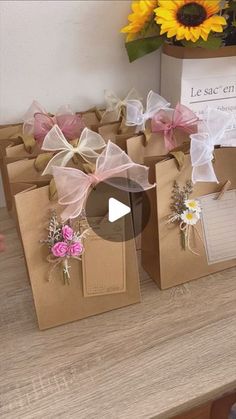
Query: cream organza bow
column 112, row 166
column 89, row 143
column 215, row 129
column 135, row 114
column 115, row 104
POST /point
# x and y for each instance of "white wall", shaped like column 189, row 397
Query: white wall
column 66, row 52
column 62, row 52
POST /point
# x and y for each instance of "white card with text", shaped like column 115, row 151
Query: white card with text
column 219, row 226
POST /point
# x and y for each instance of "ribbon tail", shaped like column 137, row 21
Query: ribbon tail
column 188, row 232
column 204, row 173
column 170, row 141
column 60, row 160
column 73, row 210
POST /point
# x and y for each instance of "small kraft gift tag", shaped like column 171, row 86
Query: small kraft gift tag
column 106, row 274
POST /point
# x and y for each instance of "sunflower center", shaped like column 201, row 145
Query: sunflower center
column 191, row 14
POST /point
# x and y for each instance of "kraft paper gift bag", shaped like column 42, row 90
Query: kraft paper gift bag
column 116, row 134
column 116, row 107
column 17, row 188
column 198, row 77
column 12, row 135
column 163, row 255
column 101, row 281
column 21, row 172
column 163, row 128
column 13, row 154
column 139, row 148
column 9, row 137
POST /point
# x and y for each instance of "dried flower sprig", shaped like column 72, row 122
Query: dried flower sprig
column 64, row 243
column 185, row 211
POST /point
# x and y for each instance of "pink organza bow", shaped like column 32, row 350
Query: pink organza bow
column 38, row 123
column 112, row 164
column 181, row 117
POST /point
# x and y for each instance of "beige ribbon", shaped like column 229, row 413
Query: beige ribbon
column 186, row 231
column 28, row 141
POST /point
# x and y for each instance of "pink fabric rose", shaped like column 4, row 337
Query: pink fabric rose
column 60, row 249
column 67, row 232
column 75, row 249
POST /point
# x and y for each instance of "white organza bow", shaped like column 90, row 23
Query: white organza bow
column 28, row 118
column 87, row 147
column 135, row 114
column 215, row 129
column 114, row 103
column 38, row 122
column 113, row 166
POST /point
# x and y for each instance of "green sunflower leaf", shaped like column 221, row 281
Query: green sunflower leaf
column 212, row 43
column 232, row 7
column 140, row 47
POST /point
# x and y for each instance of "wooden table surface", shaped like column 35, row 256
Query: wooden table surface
column 174, row 351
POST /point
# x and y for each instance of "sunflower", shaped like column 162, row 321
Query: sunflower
column 188, row 19
column 142, row 12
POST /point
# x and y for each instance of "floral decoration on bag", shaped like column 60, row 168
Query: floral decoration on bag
column 189, row 23
column 186, row 213
column 64, row 243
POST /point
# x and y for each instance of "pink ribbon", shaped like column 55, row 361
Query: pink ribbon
column 181, row 117
column 112, row 164
column 38, row 123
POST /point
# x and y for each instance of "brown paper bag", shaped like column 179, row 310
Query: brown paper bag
column 20, row 172
column 18, row 152
column 13, row 144
column 55, row 302
column 116, row 132
column 23, row 171
column 10, row 131
column 138, row 148
column 92, row 118
column 162, row 254
column 11, row 137
column 6, row 132
column 18, row 188
column 13, row 147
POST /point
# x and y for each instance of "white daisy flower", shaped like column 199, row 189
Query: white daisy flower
column 193, row 205
column 190, row 217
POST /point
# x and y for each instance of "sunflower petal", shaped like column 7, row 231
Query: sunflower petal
column 166, row 14
column 170, row 4
column 216, row 28
column 171, row 32
column 142, row 11
column 167, row 18
column 211, row 6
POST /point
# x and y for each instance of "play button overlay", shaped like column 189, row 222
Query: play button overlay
column 117, row 210
column 115, row 214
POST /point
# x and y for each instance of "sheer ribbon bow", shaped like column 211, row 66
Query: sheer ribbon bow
column 135, row 114
column 166, row 121
column 87, row 147
column 73, row 184
column 38, row 123
column 215, row 129
column 115, row 104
